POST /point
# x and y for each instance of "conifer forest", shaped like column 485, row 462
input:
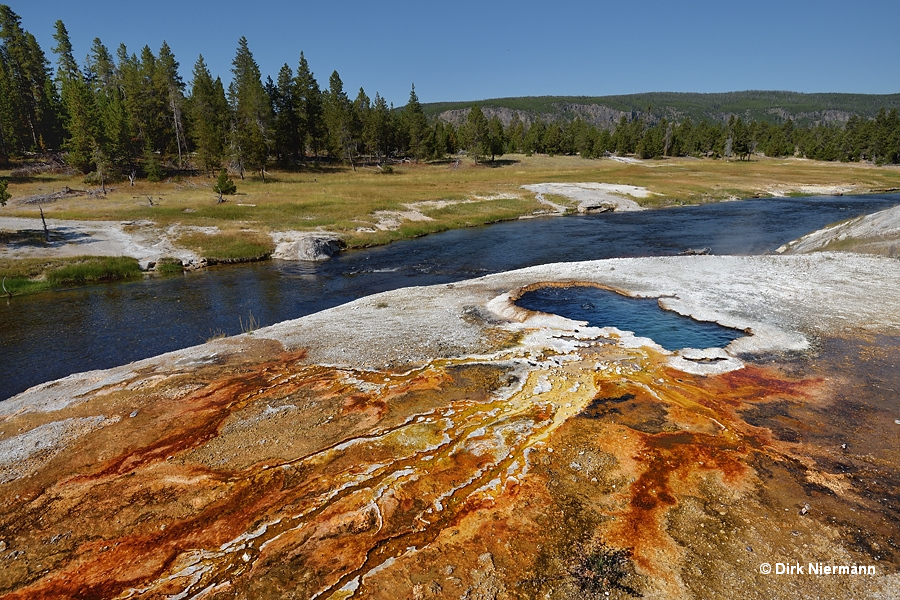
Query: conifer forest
column 123, row 114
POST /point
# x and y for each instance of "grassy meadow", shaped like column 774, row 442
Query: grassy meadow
column 344, row 201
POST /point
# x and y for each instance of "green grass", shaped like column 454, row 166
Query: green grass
column 229, row 246
column 30, row 275
column 168, row 266
column 94, row 269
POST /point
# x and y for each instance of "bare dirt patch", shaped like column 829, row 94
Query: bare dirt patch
column 142, row 240
column 391, row 220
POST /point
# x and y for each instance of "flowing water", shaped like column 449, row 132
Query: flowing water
column 54, row 334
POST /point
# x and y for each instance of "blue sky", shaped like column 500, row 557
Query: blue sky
column 466, row 50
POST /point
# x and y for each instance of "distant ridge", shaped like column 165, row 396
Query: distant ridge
column 606, row 111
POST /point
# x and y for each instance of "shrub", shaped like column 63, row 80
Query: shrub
column 224, row 185
column 153, row 168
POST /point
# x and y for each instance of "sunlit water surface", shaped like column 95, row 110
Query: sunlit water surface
column 50, row 335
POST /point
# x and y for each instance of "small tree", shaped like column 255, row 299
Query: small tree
column 224, row 185
column 476, row 135
column 152, row 166
column 496, row 141
column 4, row 195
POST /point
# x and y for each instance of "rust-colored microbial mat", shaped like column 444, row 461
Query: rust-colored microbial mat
column 601, row 474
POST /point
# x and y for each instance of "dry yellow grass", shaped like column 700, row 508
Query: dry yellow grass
column 343, row 200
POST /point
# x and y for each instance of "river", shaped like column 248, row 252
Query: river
column 50, row 335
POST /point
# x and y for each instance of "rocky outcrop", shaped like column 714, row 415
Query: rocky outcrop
column 294, row 245
column 595, row 114
column 596, row 206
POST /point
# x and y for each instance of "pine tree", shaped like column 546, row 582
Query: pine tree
column 531, row 141
column 4, row 195
column 207, row 114
column 48, row 107
column 652, row 143
column 378, row 131
column 29, row 119
column 81, row 121
column 740, row 138
column 308, row 107
column 115, row 150
column 553, row 139
column 336, row 114
column 151, row 110
column 516, row 134
column 285, row 128
column 131, row 85
column 360, row 114
column 415, row 126
column 224, row 185
column 9, row 143
column 475, row 134
column 169, row 88
column 496, row 137
column 251, row 113
column 445, row 139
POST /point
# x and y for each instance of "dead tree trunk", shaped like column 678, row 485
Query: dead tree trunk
column 177, row 122
column 44, row 221
column 350, row 156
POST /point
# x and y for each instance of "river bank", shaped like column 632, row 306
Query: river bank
column 180, row 220
column 29, row 255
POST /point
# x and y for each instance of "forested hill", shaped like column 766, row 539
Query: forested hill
column 606, row 111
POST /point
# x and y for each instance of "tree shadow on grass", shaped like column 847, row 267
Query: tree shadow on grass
column 35, row 238
column 49, row 178
column 320, row 166
column 500, row 162
column 444, row 161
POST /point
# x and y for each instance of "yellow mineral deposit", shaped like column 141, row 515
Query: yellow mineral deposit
column 562, row 462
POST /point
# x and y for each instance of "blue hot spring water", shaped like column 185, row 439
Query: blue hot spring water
column 642, row 316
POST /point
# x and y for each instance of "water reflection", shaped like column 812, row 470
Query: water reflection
column 641, row 316
column 50, row 335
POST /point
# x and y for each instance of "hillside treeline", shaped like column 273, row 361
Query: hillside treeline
column 132, row 115
column 875, row 140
